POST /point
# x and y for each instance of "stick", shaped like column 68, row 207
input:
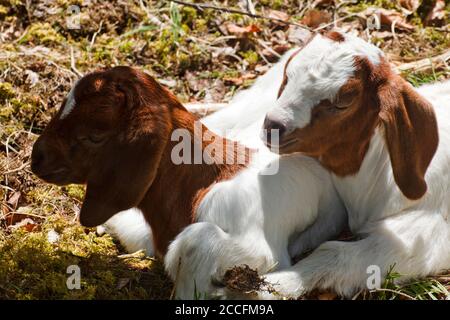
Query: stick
column 201, row 6
column 425, row 64
column 72, row 63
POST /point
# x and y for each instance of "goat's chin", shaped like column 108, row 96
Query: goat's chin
column 61, row 181
column 91, row 221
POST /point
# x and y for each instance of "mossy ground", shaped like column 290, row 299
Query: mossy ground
column 188, row 50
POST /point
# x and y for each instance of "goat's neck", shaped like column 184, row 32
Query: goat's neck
column 371, row 193
column 172, row 200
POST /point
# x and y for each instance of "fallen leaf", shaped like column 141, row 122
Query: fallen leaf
column 382, row 34
column 240, row 80
column 410, row 5
column 386, row 18
column 314, row 18
column 436, row 16
column 327, row 296
column 122, row 282
column 298, row 35
column 319, row 3
column 27, row 224
column 280, row 15
column 241, row 31
column 14, row 199
column 281, row 48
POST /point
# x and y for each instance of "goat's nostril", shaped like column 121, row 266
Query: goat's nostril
column 275, row 130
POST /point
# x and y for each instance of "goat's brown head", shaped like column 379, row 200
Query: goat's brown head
column 336, row 92
column 110, row 134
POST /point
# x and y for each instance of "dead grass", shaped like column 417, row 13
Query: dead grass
column 198, row 54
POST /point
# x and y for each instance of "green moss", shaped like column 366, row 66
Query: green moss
column 3, row 11
column 126, row 47
column 42, row 33
column 273, row 4
column 250, row 56
column 31, row 267
column 75, row 191
column 188, row 15
column 359, row 6
column 6, row 91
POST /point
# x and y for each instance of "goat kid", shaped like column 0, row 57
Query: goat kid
column 114, row 133
column 387, row 146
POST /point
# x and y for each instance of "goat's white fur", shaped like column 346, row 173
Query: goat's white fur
column 249, row 219
column 412, row 235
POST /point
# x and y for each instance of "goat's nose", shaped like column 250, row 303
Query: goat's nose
column 38, row 155
column 274, row 130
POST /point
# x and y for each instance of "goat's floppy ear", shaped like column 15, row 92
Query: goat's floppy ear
column 411, row 134
column 129, row 163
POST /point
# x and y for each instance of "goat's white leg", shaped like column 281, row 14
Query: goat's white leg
column 329, row 225
column 416, row 243
column 203, row 252
column 131, row 229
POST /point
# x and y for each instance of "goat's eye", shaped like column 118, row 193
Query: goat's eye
column 97, row 137
column 93, row 138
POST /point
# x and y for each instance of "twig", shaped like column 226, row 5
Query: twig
column 72, row 63
column 276, row 54
column 396, row 292
column 333, row 22
column 201, row 6
column 151, row 16
column 425, row 64
column 95, row 35
column 23, row 166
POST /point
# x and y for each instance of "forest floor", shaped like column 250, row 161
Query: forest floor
column 202, row 55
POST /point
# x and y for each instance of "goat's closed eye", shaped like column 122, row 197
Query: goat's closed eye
column 94, row 139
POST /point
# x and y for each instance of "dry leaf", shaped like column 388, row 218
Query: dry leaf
column 122, row 282
column 323, row 3
column 410, row 5
column 14, row 199
column 241, row 31
column 387, row 18
column 281, row 48
column 19, row 221
column 280, row 15
column 314, row 18
column 297, row 35
column 240, row 80
column 436, row 16
column 327, row 296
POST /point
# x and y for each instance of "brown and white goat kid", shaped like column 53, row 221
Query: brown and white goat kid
column 388, row 149
column 117, row 132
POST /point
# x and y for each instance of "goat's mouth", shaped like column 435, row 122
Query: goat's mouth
column 283, row 146
column 60, row 177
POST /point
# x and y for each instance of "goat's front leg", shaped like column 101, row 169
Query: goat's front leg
column 200, row 255
column 416, row 245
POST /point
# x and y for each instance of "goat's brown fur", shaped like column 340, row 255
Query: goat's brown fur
column 374, row 97
column 117, row 141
